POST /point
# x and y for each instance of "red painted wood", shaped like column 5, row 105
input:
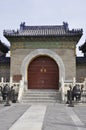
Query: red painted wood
column 43, row 73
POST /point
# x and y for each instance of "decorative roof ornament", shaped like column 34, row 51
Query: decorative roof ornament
column 83, row 48
column 65, row 24
column 22, row 25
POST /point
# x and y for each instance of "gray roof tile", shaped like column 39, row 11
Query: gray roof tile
column 42, row 31
column 4, row 48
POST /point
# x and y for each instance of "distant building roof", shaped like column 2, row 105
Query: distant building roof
column 83, row 47
column 81, row 60
column 61, row 30
column 3, row 47
column 4, row 59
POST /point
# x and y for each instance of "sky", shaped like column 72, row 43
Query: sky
column 43, row 12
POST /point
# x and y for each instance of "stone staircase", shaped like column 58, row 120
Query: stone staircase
column 41, row 96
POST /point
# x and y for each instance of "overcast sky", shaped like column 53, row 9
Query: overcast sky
column 42, row 12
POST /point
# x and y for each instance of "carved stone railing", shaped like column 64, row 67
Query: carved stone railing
column 16, row 86
column 20, row 87
column 65, row 86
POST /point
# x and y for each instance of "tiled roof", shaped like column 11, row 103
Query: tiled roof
column 3, row 47
column 4, row 59
column 83, row 47
column 43, row 31
column 81, row 60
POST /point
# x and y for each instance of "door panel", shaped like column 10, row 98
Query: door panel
column 43, row 73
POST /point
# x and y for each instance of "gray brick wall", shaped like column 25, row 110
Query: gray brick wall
column 67, row 56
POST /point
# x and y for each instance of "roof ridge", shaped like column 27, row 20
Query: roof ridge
column 43, row 30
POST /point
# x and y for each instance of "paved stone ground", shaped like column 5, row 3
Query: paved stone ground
column 32, row 119
column 62, row 117
column 56, row 116
column 80, row 110
column 10, row 114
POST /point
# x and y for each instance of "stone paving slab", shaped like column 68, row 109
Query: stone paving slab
column 80, row 110
column 79, row 124
column 9, row 114
column 48, row 116
column 62, row 117
column 32, row 119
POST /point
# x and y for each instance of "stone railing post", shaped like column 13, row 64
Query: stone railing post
column 62, row 89
column 11, row 81
column 74, row 81
column 21, row 90
column 85, row 83
column 2, row 81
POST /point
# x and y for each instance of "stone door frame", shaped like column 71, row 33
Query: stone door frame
column 39, row 52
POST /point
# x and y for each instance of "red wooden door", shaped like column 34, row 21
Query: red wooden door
column 43, row 73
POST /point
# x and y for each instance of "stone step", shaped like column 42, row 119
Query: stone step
column 39, row 98
column 45, row 91
column 42, row 96
column 41, row 101
column 41, row 93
